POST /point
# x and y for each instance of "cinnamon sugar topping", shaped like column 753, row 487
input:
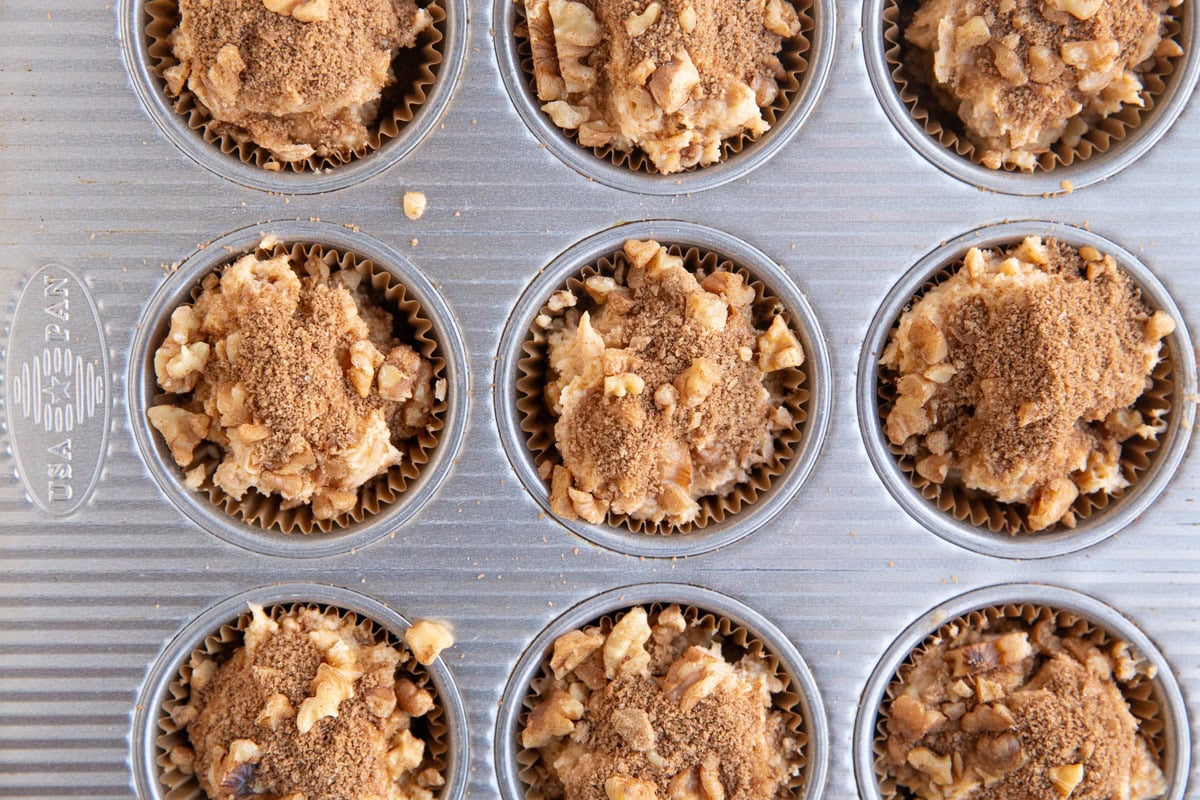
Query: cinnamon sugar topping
column 298, row 78
column 310, row 706
column 661, row 385
column 296, row 376
column 1018, row 376
column 652, row 709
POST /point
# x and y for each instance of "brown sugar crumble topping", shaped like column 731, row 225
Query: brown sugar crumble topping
column 675, row 78
column 301, row 78
column 662, row 389
column 310, row 706
column 1017, row 376
column 297, row 379
column 1024, row 74
column 653, row 709
column 1014, row 711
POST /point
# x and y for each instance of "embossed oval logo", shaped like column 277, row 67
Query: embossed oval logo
column 57, row 390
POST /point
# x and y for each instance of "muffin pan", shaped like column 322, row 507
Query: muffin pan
column 106, row 564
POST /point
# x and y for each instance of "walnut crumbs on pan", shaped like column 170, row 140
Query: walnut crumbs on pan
column 651, row 708
column 663, row 386
column 1018, row 376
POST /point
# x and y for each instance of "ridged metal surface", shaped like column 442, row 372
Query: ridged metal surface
column 88, row 601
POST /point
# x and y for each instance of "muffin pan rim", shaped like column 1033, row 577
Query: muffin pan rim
column 804, row 322
column 1102, row 525
column 1177, row 725
column 197, row 508
column 1181, row 85
column 525, row 669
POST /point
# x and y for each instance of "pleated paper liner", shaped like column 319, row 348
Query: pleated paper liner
column 984, row 511
column 223, row 642
column 736, row 642
column 793, row 56
column 792, row 384
column 413, row 328
column 416, row 68
column 1138, row 691
column 912, row 78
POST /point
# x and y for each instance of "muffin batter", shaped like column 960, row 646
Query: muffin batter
column 301, row 78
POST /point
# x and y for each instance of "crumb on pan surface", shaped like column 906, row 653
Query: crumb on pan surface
column 674, row 78
column 1016, row 709
column 294, row 375
column 1017, row 376
column 1024, row 75
column 310, row 705
column 653, row 709
column 662, row 389
column 301, row 78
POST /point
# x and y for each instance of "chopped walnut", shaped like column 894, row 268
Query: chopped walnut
column 427, row 640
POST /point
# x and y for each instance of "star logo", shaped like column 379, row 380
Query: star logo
column 58, row 390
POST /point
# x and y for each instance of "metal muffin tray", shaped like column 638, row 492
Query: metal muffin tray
column 105, row 573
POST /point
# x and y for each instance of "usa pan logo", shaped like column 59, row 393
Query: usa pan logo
column 57, row 390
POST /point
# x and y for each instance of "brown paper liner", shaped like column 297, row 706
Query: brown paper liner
column 984, row 511
column 266, row 511
column 792, row 56
column 416, row 68
column 221, row 645
column 538, row 423
column 943, row 124
column 786, row 701
column 1138, row 691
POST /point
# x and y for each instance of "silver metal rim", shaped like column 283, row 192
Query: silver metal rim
column 1082, row 173
column 166, row 669
column 582, row 160
column 812, row 709
column 197, row 507
column 173, row 125
column 1124, row 509
column 1176, row 732
column 804, row 322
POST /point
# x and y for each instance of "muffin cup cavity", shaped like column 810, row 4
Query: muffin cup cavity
column 978, row 521
column 526, row 426
column 1156, row 702
column 218, row 633
column 425, row 75
column 806, row 57
column 1108, row 147
column 259, row 522
column 740, row 627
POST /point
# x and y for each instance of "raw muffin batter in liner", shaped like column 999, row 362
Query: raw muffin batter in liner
column 912, row 72
column 538, row 422
column 176, row 753
column 984, row 510
column 702, row 628
column 1011, row 753
column 411, row 327
column 667, row 13
column 415, row 69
